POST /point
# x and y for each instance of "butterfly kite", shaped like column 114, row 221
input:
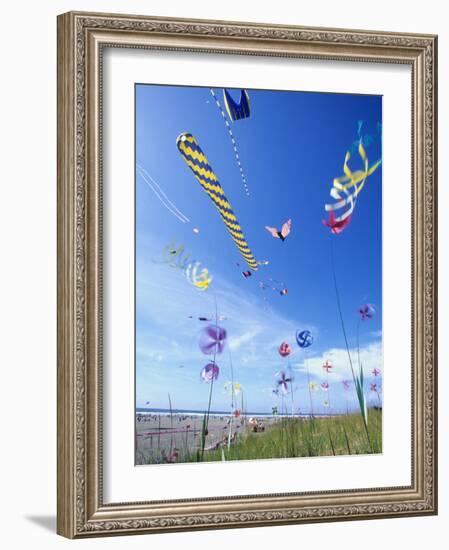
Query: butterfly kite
column 283, row 233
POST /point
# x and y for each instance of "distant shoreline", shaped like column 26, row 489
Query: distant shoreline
column 191, row 412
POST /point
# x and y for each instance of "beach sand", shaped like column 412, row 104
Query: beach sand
column 163, row 438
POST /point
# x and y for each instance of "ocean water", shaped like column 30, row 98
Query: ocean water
column 192, row 412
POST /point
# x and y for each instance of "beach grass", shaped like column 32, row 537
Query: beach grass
column 299, row 437
column 284, row 437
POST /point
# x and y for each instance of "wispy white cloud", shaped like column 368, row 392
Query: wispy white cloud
column 252, row 329
column 167, row 337
column 371, row 357
column 244, row 338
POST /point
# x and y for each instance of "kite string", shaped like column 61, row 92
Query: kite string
column 153, row 185
column 233, row 141
column 354, row 377
column 291, row 386
column 206, row 427
column 232, row 401
column 308, row 384
column 337, row 296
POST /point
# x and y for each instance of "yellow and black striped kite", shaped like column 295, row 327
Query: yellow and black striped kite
column 198, row 163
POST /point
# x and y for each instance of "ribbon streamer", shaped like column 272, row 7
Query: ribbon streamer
column 177, row 257
column 201, row 280
column 345, row 190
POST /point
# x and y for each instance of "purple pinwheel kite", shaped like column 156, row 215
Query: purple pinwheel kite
column 212, row 339
column 367, row 311
column 209, row 372
column 284, row 381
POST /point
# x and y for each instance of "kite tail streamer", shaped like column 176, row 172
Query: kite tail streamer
column 199, row 279
column 233, row 141
column 177, row 257
column 345, row 190
column 155, row 187
column 198, row 163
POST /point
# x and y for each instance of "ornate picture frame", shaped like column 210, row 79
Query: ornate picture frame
column 82, row 39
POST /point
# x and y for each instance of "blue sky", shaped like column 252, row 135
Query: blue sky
column 291, row 148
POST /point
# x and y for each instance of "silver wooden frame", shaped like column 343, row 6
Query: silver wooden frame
column 81, row 40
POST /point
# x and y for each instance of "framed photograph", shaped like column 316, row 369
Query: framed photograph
column 246, row 274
